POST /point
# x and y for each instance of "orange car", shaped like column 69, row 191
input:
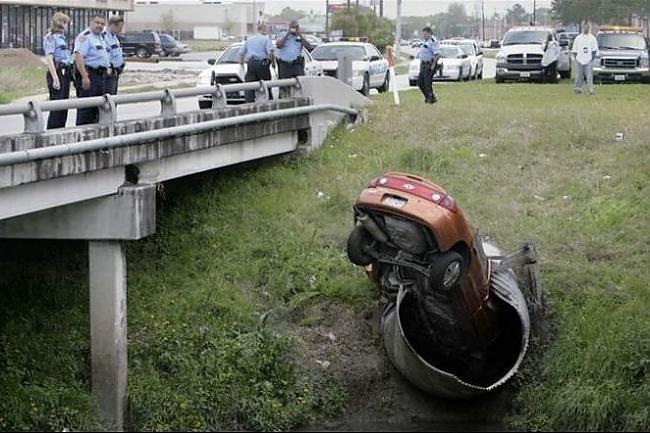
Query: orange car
column 454, row 320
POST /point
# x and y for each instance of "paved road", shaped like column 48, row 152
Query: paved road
column 14, row 124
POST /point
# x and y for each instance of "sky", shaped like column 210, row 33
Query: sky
column 409, row 7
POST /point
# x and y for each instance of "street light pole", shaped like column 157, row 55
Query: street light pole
column 398, row 29
column 535, row 12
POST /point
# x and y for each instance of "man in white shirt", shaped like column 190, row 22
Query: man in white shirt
column 550, row 59
column 585, row 48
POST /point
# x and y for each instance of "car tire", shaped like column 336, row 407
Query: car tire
column 359, row 242
column 142, row 53
column 446, row 271
column 365, row 90
column 565, row 74
column 386, row 85
column 499, row 80
column 480, row 76
column 413, row 83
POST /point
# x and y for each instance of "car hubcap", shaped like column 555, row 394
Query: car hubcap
column 451, row 274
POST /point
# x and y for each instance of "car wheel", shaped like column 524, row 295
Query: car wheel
column 365, row 90
column 480, row 76
column 142, row 53
column 460, row 75
column 359, row 243
column 386, row 85
column 499, row 80
column 446, row 270
column 565, row 74
column 413, row 83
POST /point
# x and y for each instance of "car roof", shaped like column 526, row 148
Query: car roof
column 352, row 44
column 456, row 41
column 533, row 28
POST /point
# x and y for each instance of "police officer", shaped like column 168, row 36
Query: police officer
column 115, row 24
column 429, row 54
column 93, row 64
column 59, row 67
column 257, row 51
column 291, row 63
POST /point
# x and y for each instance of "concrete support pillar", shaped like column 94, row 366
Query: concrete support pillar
column 107, row 262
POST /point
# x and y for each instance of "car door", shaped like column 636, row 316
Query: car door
column 313, row 68
column 479, row 57
column 378, row 67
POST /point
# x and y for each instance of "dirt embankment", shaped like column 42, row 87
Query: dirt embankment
column 347, row 345
column 19, row 57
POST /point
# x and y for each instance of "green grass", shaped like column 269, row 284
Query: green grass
column 200, row 45
column 18, row 82
column 233, row 248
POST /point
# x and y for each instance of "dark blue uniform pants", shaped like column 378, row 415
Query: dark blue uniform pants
column 57, row 119
column 425, row 82
column 257, row 70
column 86, row 116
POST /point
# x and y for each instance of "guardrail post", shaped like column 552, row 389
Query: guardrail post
column 218, row 97
column 108, row 111
column 168, row 104
column 34, row 122
column 262, row 93
column 296, row 89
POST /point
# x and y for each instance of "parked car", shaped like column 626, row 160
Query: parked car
column 622, row 56
column 474, row 53
column 170, row 47
column 456, row 66
column 313, row 40
column 520, row 57
column 369, row 67
column 141, row 44
column 454, row 319
column 416, row 43
column 568, row 37
column 227, row 70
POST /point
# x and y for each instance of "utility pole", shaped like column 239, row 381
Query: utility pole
column 483, row 17
column 327, row 20
column 381, row 8
column 535, row 12
column 398, row 30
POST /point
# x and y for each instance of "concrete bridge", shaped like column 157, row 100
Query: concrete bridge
column 98, row 182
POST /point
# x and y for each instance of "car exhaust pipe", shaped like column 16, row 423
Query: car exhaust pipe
column 369, row 224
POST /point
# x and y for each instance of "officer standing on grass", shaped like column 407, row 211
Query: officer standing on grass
column 429, row 54
column 93, row 64
column 257, row 51
column 291, row 63
column 59, row 67
column 115, row 24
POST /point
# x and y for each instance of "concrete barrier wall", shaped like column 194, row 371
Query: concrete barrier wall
column 99, row 160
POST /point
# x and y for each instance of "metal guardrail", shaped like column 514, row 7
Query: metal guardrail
column 30, row 155
column 32, row 111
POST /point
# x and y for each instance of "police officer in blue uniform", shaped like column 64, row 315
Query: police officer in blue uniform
column 93, row 64
column 257, row 51
column 59, row 67
column 115, row 24
column 429, row 54
column 291, row 63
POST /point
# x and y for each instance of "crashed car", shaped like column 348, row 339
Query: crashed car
column 454, row 320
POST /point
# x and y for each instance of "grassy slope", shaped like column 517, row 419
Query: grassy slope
column 232, row 247
column 18, row 82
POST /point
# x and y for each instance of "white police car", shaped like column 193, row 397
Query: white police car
column 227, row 70
column 369, row 67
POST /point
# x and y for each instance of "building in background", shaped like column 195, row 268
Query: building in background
column 24, row 23
column 200, row 19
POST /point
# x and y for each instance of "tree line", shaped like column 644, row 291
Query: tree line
column 600, row 11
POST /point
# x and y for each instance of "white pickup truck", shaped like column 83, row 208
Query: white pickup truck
column 520, row 57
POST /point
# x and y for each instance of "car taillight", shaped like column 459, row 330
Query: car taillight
column 449, row 203
column 438, row 197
